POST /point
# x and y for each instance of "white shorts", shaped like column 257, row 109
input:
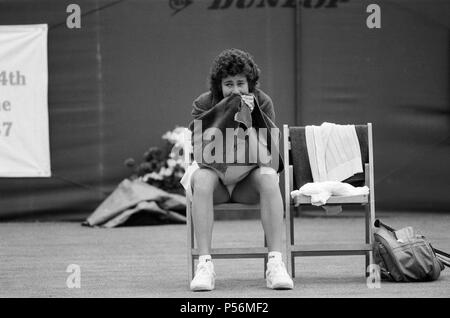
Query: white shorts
column 233, row 175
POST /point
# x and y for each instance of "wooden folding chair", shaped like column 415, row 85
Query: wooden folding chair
column 219, row 253
column 296, row 176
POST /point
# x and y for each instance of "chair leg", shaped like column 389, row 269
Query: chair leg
column 292, row 240
column 368, row 238
column 289, row 240
column 288, row 248
column 191, row 270
column 190, row 240
column 266, row 259
column 192, row 246
column 367, row 264
column 289, row 263
column 292, row 266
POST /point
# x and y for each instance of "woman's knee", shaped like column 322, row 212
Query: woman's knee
column 204, row 181
column 266, row 179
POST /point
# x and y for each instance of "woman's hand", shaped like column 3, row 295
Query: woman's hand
column 249, row 100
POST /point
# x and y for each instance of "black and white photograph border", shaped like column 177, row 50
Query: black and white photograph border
column 97, row 105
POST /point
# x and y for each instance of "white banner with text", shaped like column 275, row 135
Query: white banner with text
column 24, row 127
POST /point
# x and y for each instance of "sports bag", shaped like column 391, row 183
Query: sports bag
column 404, row 256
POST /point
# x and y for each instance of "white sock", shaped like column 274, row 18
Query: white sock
column 275, row 256
column 204, row 258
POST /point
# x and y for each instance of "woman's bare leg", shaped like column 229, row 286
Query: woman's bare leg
column 207, row 190
column 263, row 187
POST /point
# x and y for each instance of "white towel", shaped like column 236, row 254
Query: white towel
column 320, row 192
column 333, row 151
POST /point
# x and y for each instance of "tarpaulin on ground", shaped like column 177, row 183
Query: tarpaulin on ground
column 137, row 202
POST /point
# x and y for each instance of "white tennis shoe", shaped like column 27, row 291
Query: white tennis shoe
column 277, row 276
column 204, row 278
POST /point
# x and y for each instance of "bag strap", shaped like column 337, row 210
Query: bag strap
column 441, row 252
column 443, row 256
column 378, row 224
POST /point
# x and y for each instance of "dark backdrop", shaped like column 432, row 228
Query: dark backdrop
column 132, row 70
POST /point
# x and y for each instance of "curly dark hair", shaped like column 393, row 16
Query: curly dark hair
column 232, row 62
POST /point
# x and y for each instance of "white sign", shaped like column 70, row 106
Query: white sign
column 24, row 133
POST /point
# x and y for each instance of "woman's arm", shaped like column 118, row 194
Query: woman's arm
column 201, row 104
column 266, row 104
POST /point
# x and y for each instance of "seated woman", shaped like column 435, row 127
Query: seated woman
column 235, row 73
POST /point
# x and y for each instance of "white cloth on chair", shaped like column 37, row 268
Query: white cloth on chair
column 334, row 152
column 320, row 192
